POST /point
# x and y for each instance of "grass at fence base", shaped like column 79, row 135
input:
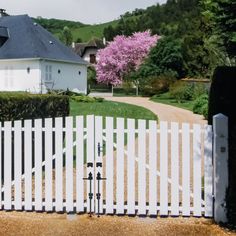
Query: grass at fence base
column 166, row 99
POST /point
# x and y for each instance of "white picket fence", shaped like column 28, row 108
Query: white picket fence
column 150, row 169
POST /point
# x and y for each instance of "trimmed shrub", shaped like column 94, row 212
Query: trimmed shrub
column 199, row 103
column 19, row 106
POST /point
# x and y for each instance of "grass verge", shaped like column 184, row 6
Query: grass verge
column 165, row 98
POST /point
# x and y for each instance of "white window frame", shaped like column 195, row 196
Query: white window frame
column 48, row 73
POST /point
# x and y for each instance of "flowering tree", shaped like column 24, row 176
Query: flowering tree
column 122, row 56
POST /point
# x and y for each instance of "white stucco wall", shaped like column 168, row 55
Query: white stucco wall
column 15, row 77
column 64, row 76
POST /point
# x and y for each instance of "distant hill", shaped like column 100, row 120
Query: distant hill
column 92, row 31
column 79, row 30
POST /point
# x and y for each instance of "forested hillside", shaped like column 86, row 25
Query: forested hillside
column 55, row 26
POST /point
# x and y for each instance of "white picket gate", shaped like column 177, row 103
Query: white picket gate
column 106, row 165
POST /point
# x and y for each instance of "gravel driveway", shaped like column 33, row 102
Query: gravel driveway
column 164, row 112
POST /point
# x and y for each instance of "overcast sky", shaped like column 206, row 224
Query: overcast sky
column 86, row 11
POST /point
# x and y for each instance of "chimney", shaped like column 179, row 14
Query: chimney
column 3, row 12
column 104, row 41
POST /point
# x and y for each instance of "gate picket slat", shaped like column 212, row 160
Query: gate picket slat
column 59, row 163
column 79, row 164
column 90, row 159
column 153, row 168
column 7, row 165
column 185, row 169
column 163, row 168
column 38, row 164
column 1, row 161
column 174, row 169
column 109, row 166
column 28, row 164
column 69, row 164
column 197, row 170
column 48, row 164
column 17, row 164
column 98, row 158
column 131, row 167
column 142, row 167
column 208, row 171
column 120, row 166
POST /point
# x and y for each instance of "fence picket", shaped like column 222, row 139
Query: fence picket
column 48, row 164
column 79, row 164
column 120, row 166
column 185, row 170
column 7, row 165
column 131, row 167
column 38, row 164
column 99, row 162
column 69, row 164
column 174, row 169
column 90, row 160
column 208, row 171
column 109, row 166
column 142, row 167
column 17, row 164
column 28, row 164
column 197, row 170
column 59, row 164
column 163, row 168
column 153, row 168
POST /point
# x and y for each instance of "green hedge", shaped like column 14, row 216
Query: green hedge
column 18, row 106
column 223, row 100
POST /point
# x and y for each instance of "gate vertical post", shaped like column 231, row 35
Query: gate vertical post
column 220, row 161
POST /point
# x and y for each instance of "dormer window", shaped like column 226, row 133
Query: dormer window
column 4, row 35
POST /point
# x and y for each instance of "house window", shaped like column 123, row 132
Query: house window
column 92, row 58
column 48, row 73
column 9, row 77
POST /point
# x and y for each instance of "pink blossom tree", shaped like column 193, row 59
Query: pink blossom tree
column 122, row 56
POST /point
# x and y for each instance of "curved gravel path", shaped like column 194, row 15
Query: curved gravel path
column 164, row 112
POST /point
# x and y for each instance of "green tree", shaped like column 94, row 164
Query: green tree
column 66, row 36
column 165, row 58
column 220, row 16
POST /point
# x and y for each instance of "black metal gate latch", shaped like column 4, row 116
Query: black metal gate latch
column 99, row 178
column 90, row 178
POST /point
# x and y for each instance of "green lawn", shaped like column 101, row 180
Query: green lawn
column 113, row 109
column 166, row 99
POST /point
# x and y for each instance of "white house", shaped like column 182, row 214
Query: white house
column 32, row 59
column 88, row 51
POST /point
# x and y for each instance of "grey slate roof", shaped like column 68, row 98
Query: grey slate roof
column 30, row 40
